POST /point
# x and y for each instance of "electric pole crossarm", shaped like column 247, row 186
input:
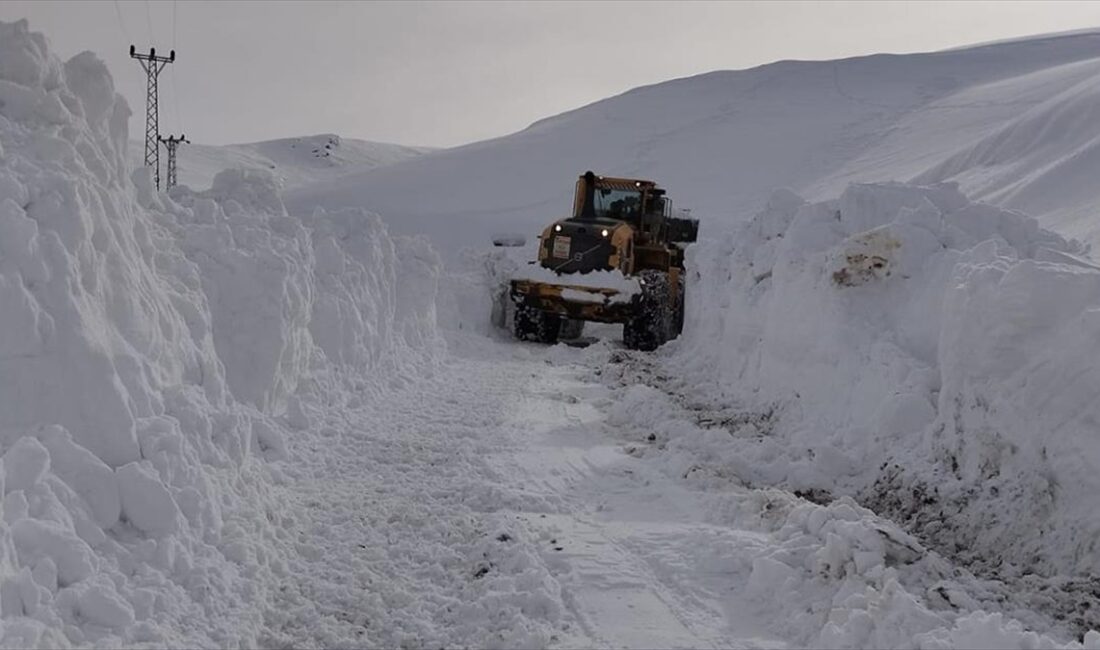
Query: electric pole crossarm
column 152, row 55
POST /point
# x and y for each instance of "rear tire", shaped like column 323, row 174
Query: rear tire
column 530, row 324
column 651, row 323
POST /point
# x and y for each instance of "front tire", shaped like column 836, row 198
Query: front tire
column 681, row 306
column 530, row 324
column 651, row 323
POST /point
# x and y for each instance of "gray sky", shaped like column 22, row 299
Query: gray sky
column 447, row 73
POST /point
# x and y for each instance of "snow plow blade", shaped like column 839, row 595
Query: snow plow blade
column 579, row 303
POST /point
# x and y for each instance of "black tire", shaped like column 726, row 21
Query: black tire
column 651, row 323
column 530, row 324
column 678, row 314
column 571, row 328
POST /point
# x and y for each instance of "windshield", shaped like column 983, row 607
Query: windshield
column 624, row 205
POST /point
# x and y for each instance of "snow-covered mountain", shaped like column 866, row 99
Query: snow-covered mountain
column 293, row 161
column 1012, row 122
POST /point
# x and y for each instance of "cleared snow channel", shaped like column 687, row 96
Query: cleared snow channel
column 518, row 499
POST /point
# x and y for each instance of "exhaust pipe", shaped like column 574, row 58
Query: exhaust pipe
column 588, row 211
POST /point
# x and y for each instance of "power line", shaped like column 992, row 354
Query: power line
column 175, row 85
column 121, row 22
column 149, row 23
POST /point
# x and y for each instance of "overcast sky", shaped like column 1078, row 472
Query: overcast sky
column 447, row 73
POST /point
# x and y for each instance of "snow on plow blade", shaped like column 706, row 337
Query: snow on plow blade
column 601, row 304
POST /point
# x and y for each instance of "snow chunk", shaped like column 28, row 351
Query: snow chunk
column 99, row 603
column 25, row 464
column 24, row 56
column 37, row 540
column 982, row 630
column 87, row 475
column 146, row 503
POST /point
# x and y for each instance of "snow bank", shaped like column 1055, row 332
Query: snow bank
column 846, row 579
column 289, row 296
column 153, row 351
column 476, row 286
column 832, row 575
column 931, row 356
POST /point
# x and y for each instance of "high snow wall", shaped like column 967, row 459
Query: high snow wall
column 933, row 357
column 154, row 351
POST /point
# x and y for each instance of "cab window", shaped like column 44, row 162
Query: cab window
column 623, row 205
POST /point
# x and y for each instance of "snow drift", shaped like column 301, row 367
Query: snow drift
column 153, row 352
column 931, row 356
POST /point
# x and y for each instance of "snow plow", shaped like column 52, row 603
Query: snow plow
column 618, row 259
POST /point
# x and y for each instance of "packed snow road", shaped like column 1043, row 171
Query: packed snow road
column 638, row 564
column 491, row 506
column 505, row 502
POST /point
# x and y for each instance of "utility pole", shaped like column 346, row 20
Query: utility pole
column 152, row 64
column 171, row 143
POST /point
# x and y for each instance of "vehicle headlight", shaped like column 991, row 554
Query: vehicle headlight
column 557, row 228
column 604, row 232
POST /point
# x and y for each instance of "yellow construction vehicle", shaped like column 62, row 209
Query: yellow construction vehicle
column 618, row 259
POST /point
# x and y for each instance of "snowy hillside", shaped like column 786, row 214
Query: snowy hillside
column 294, row 162
column 721, row 142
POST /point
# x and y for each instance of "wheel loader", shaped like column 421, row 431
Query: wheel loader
column 618, row 259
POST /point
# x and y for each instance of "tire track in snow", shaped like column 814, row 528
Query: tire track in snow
column 638, row 565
